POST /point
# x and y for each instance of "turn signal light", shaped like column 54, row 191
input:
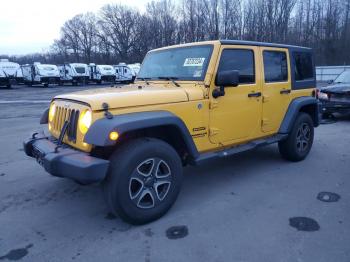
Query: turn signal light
column 113, row 136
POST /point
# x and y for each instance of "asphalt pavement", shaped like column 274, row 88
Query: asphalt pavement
column 254, row 206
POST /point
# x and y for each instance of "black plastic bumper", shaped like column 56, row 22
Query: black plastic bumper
column 66, row 162
column 334, row 107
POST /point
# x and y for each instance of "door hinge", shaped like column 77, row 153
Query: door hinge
column 213, row 104
column 213, row 131
column 265, row 98
column 265, row 122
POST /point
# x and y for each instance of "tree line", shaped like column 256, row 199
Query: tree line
column 118, row 33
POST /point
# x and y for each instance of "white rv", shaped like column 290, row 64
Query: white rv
column 74, row 73
column 124, row 74
column 19, row 76
column 38, row 73
column 136, row 69
column 9, row 72
column 101, row 73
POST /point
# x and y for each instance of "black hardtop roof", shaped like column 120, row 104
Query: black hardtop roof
column 254, row 43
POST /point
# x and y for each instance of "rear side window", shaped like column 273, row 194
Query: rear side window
column 241, row 60
column 275, row 66
column 303, row 67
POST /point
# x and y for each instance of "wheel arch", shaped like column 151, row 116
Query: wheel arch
column 307, row 105
column 162, row 125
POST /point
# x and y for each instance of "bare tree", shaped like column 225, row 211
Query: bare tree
column 120, row 33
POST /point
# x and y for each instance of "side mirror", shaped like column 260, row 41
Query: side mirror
column 330, row 82
column 227, row 78
column 223, row 79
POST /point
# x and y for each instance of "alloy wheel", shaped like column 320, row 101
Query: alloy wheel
column 150, row 182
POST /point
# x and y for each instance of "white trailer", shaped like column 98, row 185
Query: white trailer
column 135, row 69
column 19, row 76
column 10, row 72
column 101, row 73
column 74, row 73
column 37, row 74
column 124, row 74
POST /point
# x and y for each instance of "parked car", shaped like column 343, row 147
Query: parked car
column 74, row 73
column 40, row 74
column 335, row 98
column 190, row 103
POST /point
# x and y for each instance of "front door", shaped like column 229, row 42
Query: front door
column 276, row 87
column 236, row 116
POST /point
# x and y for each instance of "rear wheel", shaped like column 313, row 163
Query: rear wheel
column 144, row 180
column 299, row 142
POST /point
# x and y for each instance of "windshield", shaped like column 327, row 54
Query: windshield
column 183, row 63
column 343, row 77
column 80, row 70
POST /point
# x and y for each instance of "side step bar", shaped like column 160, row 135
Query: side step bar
column 240, row 148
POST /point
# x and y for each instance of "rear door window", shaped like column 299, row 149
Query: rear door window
column 275, row 66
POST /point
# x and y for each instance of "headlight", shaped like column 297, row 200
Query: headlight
column 323, row 96
column 85, row 121
column 52, row 112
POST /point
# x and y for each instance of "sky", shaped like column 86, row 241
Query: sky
column 29, row 26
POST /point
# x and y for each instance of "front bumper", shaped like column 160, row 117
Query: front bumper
column 328, row 107
column 65, row 161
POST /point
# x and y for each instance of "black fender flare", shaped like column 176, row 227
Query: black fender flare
column 293, row 110
column 98, row 133
column 45, row 117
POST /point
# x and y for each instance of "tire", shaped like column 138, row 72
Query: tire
column 133, row 190
column 299, row 142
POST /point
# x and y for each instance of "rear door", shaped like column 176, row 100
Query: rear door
column 276, row 87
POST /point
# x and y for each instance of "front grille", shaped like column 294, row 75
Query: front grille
column 66, row 114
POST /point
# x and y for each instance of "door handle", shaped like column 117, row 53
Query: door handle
column 257, row 94
column 285, row 92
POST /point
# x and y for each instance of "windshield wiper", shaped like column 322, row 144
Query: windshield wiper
column 144, row 79
column 171, row 78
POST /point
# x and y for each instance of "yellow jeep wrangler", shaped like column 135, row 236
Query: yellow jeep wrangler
column 190, row 103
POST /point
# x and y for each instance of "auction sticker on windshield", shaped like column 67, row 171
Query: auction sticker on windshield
column 195, row 61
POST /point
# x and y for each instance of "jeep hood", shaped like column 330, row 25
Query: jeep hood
column 337, row 88
column 132, row 95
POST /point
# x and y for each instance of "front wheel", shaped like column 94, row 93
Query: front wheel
column 299, row 141
column 143, row 181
